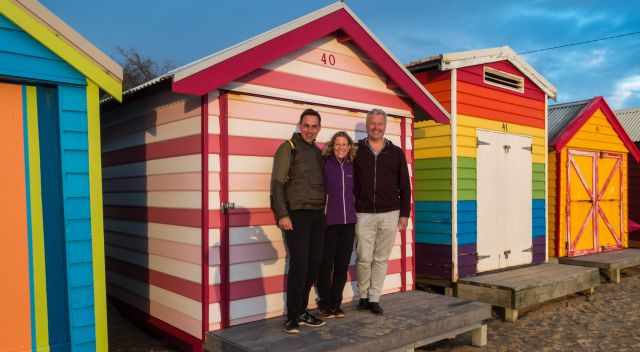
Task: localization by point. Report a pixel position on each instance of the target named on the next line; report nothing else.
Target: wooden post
(510, 315)
(479, 336)
(614, 275)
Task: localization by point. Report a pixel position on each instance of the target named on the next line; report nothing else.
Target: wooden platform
(520, 288)
(609, 263)
(411, 319)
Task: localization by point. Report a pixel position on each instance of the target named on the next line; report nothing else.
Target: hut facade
(588, 201)
(480, 181)
(192, 245)
(52, 257)
(630, 120)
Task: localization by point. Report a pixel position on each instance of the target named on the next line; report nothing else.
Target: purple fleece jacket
(338, 182)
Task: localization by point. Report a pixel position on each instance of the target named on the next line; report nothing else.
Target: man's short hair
(310, 112)
(377, 112)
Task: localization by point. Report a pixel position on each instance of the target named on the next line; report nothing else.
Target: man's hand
(402, 223)
(285, 223)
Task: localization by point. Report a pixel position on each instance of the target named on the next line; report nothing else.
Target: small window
(503, 80)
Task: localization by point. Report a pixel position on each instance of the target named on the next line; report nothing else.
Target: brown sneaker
(338, 313)
(326, 313)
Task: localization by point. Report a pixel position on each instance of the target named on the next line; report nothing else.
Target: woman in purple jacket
(341, 218)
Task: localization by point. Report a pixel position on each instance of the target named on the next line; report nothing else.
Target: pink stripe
(170, 182)
(276, 284)
(244, 217)
(169, 249)
(148, 276)
(158, 150)
(180, 217)
(296, 83)
(257, 252)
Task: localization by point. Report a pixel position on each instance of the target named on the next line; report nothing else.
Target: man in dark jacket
(297, 200)
(383, 202)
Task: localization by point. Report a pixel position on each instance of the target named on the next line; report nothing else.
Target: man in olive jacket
(297, 200)
(383, 203)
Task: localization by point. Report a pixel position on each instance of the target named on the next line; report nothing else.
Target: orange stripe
(504, 97)
(439, 86)
(15, 334)
(499, 116)
(515, 110)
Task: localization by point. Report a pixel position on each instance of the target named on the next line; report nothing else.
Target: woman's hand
(285, 223)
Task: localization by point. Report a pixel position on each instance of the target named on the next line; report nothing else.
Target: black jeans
(304, 244)
(338, 245)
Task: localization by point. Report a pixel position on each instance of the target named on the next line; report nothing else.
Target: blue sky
(182, 31)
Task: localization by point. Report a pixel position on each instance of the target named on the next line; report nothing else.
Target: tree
(139, 69)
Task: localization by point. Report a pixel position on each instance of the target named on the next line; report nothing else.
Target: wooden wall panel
(152, 197)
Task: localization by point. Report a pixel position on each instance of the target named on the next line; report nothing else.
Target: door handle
(507, 253)
(480, 257)
(530, 249)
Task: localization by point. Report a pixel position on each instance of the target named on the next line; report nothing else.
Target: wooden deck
(521, 288)
(411, 319)
(609, 263)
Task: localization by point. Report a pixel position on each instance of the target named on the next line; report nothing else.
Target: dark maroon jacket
(381, 182)
(338, 183)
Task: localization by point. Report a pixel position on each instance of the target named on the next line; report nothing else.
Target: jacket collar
(298, 140)
(365, 143)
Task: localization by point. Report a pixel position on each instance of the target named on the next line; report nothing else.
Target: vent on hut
(503, 79)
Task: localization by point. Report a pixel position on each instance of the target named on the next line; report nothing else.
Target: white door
(504, 200)
(517, 215)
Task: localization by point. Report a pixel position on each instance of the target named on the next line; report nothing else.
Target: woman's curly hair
(328, 149)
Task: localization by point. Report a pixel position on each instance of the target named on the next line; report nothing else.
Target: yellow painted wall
(432, 140)
(467, 126)
(596, 134)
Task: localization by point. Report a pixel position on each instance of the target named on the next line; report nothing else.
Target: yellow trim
(37, 225)
(65, 50)
(97, 225)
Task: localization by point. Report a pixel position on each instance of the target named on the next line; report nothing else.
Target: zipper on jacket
(344, 199)
(375, 179)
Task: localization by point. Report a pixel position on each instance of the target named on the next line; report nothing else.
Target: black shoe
(292, 327)
(363, 304)
(309, 320)
(375, 308)
(326, 313)
(338, 313)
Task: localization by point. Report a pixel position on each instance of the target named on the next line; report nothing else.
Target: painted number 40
(328, 59)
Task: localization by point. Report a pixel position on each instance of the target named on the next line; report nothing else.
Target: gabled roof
(218, 69)
(477, 57)
(57, 36)
(630, 120)
(568, 118)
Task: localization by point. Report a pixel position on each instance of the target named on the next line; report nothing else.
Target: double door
(504, 193)
(593, 201)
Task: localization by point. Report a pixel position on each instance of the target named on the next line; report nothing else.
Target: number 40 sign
(328, 59)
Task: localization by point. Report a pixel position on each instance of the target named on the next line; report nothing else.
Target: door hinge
(507, 253)
(479, 142)
(480, 257)
(506, 148)
(226, 206)
(529, 148)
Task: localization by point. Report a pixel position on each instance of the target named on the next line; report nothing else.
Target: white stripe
(169, 266)
(154, 134)
(181, 234)
(167, 298)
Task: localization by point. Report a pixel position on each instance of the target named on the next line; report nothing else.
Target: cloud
(597, 58)
(580, 17)
(624, 90)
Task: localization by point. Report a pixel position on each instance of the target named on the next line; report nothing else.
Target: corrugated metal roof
(630, 120)
(560, 115)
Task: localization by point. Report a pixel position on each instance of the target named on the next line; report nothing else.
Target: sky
(182, 31)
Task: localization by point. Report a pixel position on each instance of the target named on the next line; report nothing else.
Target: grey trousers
(376, 234)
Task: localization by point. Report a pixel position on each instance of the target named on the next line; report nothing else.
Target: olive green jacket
(297, 180)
